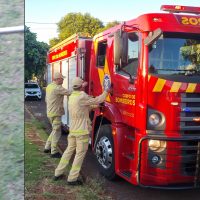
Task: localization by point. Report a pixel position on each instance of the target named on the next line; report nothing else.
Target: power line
(40, 23)
(57, 23)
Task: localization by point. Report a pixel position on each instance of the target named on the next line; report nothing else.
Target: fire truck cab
(148, 132)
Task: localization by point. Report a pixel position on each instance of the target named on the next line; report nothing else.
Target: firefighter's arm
(61, 90)
(91, 101)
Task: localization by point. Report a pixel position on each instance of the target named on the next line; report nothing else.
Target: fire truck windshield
(175, 55)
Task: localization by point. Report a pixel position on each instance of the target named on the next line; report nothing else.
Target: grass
(11, 98)
(39, 170)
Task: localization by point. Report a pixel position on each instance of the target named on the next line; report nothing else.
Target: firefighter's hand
(108, 90)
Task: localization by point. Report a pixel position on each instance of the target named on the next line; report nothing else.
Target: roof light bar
(177, 9)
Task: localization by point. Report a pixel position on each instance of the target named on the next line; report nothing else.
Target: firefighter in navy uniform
(54, 99)
(80, 125)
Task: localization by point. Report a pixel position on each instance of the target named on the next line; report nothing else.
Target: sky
(42, 15)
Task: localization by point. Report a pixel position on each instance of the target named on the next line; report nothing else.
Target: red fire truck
(148, 130)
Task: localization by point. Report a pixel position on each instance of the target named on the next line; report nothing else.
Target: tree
(76, 23)
(108, 25)
(35, 56)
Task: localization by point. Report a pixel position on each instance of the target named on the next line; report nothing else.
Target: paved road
(120, 189)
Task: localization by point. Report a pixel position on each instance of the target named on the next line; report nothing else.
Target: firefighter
(54, 99)
(80, 126)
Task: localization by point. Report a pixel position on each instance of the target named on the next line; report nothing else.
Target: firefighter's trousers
(80, 144)
(54, 137)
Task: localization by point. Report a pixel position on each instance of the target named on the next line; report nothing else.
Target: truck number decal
(195, 21)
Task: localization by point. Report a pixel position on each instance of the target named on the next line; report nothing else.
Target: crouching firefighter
(79, 105)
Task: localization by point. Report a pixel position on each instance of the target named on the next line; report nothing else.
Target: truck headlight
(154, 119)
(157, 145)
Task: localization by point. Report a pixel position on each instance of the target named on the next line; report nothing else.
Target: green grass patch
(34, 163)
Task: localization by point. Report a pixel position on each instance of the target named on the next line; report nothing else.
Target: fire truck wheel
(105, 152)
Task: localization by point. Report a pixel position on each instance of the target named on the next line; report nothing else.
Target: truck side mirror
(120, 48)
(117, 47)
(152, 37)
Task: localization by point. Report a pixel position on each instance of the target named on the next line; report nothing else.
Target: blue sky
(49, 12)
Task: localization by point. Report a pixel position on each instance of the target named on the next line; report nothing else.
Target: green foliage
(79, 23)
(109, 25)
(35, 56)
(53, 41)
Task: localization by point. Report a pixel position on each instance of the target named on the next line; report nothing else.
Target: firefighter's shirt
(79, 106)
(54, 99)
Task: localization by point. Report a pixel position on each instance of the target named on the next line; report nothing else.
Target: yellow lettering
(60, 55)
(184, 20)
(125, 101)
(193, 21)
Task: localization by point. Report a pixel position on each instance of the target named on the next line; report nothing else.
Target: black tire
(104, 151)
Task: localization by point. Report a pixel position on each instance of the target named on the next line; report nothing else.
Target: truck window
(175, 55)
(101, 54)
(133, 46)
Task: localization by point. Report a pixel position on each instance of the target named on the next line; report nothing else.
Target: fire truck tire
(104, 151)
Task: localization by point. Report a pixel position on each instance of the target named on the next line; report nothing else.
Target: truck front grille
(181, 158)
(190, 114)
(191, 158)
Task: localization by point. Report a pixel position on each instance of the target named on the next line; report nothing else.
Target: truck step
(126, 174)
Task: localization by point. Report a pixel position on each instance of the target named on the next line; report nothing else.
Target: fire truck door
(124, 87)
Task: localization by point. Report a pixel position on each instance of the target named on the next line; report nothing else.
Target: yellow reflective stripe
(149, 77)
(76, 168)
(50, 88)
(85, 140)
(56, 122)
(101, 75)
(175, 87)
(191, 87)
(73, 96)
(64, 161)
(75, 93)
(50, 114)
(78, 131)
(49, 138)
(159, 85)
